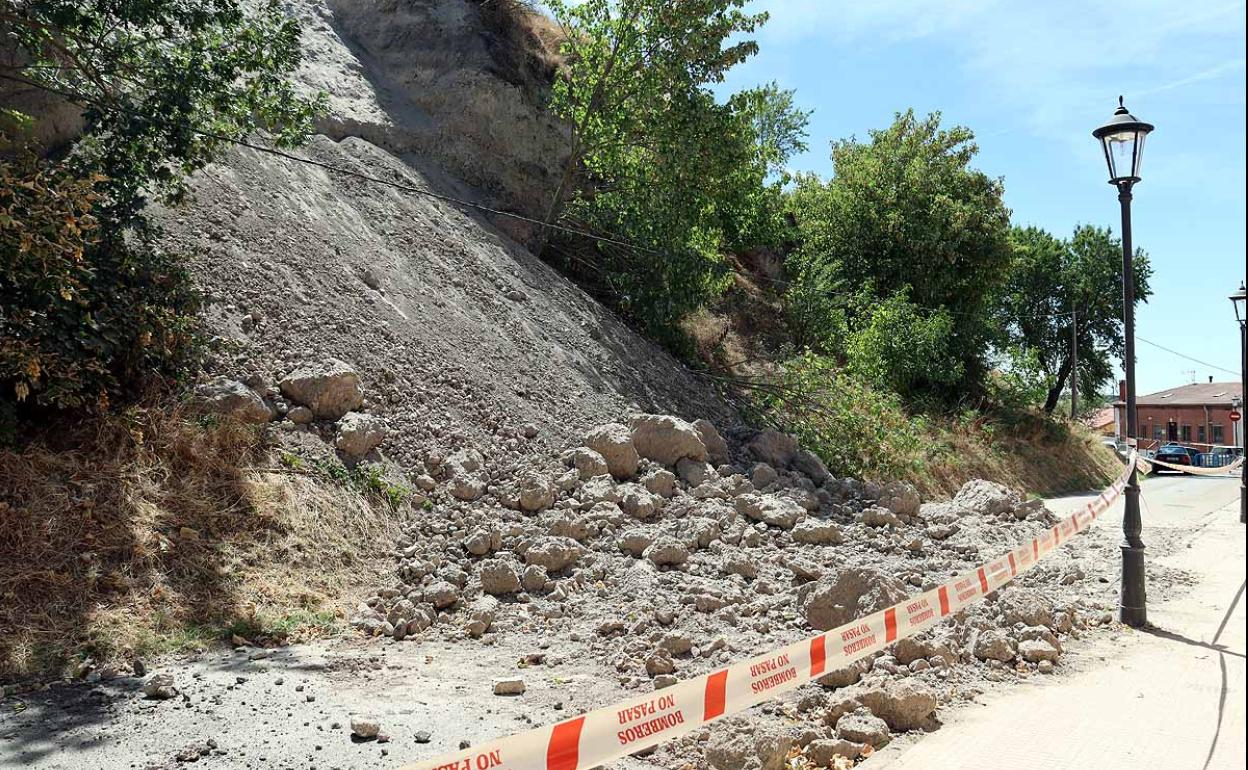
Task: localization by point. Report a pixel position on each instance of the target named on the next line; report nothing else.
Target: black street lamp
(1122, 139)
(1240, 300)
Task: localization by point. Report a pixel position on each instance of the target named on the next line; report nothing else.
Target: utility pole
(1074, 365)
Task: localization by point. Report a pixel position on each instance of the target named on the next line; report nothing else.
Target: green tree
(1048, 278)
(655, 159)
(902, 214)
(89, 310)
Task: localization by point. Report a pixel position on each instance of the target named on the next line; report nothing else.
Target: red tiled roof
(1100, 418)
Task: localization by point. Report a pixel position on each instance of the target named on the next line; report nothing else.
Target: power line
(79, 98)
(608, 239)
(1184, 355)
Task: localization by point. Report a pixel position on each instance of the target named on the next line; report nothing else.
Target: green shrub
(902, 348)
(904, 214)
(856, 429)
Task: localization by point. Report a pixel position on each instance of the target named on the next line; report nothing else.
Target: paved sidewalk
(1171, 696)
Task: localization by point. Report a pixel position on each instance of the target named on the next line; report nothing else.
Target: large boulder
(823, 752)
(498, 576)
(777, 511)
(738, 745)
(666, 439)
(1019, 605)
(160, 686)
(634, 542)
(992, 644)
(330, 388)
(900, 498)
(639, 502)
(615, 443)
(359, 434)
(481, 614)
(808, 463)
(1036, 650)
(466, 487)
(233, 399)
(667, 551)
(843, 676)
(587, 462)
(660, 481)
(904, 704)
(716, 447)
(818, 532)
(553, 553)
(773, 447)
(848, 593)
(861, 726)
(535, 491)
(986, 497)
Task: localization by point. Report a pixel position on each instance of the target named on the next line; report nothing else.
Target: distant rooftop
(1198, 394)
(1100, 418)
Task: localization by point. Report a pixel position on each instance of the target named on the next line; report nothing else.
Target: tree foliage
(655, 159)
(896, 343)
(904, 215)
(163, 84)
(81, 324)
(89, 306)
(1048, 278)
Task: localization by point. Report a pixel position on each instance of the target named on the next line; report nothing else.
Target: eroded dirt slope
(460, 336)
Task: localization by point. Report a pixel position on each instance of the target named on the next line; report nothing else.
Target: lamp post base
(1131, 608)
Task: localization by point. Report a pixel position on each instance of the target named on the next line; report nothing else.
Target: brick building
(1191, 414)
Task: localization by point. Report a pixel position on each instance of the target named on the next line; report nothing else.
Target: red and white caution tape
(624, 728)
(1146, 466)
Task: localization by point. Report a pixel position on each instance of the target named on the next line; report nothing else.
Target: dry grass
(525, 44)
(134, 535)
(1034, 455)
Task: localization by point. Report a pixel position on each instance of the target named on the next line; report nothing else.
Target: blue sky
(1032, 79)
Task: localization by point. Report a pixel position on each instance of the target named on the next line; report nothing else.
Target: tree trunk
(1055, 392)
(578, 130)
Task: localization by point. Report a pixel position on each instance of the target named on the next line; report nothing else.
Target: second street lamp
(1122, 140)
(1240, 299)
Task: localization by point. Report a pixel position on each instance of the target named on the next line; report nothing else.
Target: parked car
(1175, 455)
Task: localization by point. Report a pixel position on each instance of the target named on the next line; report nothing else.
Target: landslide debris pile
(664, 549)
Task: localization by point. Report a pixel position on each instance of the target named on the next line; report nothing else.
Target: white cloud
(1051, 61)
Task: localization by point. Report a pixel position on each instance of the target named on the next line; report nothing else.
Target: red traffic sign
(1234, 416)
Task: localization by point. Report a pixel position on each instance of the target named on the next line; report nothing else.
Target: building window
(1217, 434)
(1158, 433)
(1200, 433)
(1185, 433)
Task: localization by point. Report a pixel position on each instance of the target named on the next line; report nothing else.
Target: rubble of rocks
(320, 399)
(668, 554)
